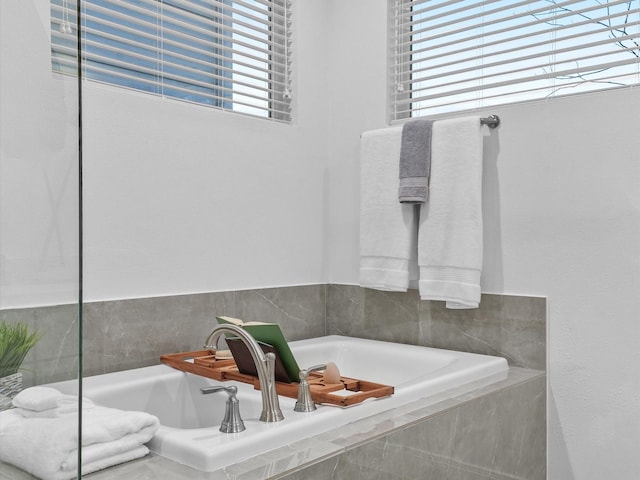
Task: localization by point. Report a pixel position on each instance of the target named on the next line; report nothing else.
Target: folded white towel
(37, 398)
(61, 411)
(48, 447)
(65, 405)
(387, 228)
(106, 462)
(450, 230)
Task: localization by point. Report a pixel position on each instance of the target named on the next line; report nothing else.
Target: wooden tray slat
(204, 363)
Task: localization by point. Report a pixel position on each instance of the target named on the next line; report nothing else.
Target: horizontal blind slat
(225, 23)
(452, 87)
(522, 80)
(163, 64)
(410, 9)
(252, 7)
(509, 40)
(498, 54)
(184, 89)
(493, 100)
(504, 31)
(550, 64)
(223, 53)
(466, 8)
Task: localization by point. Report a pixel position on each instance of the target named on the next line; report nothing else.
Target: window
(228, 54)
(452, 55)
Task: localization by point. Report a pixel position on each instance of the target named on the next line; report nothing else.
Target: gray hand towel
(415, 161)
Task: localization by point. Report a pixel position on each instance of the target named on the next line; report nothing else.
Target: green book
(271, 334)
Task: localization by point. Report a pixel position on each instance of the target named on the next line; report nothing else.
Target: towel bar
(492, 122)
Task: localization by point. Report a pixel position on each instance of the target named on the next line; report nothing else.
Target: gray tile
(345, 310)
(467, 331)
(375, 460)
(126, 334)
(320, 471)
(508, 326)
(300, 311)
(154, 467)
(524, 331)
(513, 327)
(366, 313)
(133, 333)
(498, 436)
(391, 316)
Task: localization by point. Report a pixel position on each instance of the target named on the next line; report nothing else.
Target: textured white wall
(562, 220)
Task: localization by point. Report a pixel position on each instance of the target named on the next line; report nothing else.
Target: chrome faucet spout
(265, 366)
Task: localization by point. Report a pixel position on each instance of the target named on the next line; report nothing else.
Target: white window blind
(228, 54)
(452, 55)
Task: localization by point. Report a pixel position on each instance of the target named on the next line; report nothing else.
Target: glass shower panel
(39, 229)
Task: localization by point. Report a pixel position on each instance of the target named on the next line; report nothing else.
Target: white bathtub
(190, 421)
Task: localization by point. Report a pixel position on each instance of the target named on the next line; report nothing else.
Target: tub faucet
(265, 366)
(305, 403)
(232, 421)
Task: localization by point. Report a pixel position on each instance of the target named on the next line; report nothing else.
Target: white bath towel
(388, 236)
(37, 398)
(48, 447)
(450, 229)
(64, 404)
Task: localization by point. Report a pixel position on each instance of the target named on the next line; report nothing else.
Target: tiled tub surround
(123, 334)
(133, 333)
(189, 420)
(494, 432)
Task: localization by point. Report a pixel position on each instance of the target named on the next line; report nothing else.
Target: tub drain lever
(232, 422)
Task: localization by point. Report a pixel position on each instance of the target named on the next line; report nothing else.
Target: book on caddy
(270, 334)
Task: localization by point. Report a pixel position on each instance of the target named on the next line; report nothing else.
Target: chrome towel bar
(492, 122)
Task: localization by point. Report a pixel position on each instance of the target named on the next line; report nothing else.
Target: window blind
(452, 55)
(228, 54)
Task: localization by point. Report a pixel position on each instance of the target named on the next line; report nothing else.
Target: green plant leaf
(16, 339)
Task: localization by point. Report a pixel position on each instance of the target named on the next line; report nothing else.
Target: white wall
(181, 198)
(177, 198)
(562, 220)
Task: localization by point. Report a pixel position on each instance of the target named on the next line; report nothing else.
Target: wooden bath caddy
(204, 363)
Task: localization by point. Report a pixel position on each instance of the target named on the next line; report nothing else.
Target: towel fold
(450, 230)
(37, 398)
(388, 236)
(48, 447)
(415, 161)
(66, 405)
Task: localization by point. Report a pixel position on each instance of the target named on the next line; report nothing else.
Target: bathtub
(190, 421)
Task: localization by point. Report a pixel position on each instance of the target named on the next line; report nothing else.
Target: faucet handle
(232, 421)
(305, 372)
(305, 403)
